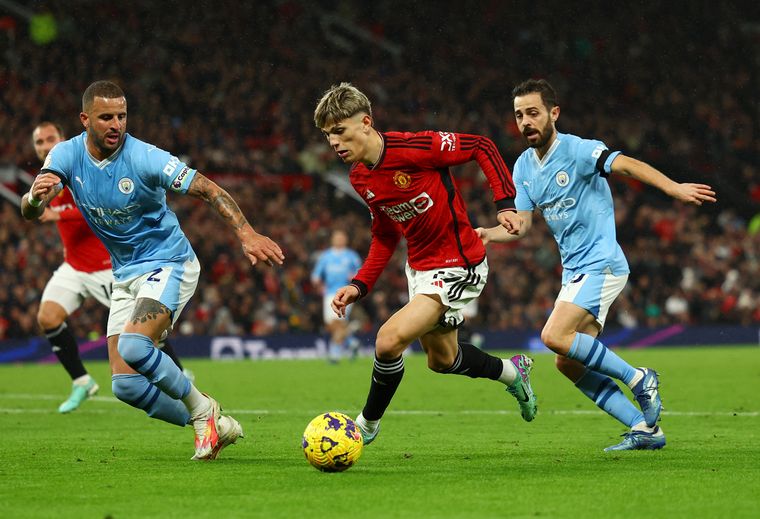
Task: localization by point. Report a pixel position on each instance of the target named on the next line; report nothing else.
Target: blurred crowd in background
(231, 88)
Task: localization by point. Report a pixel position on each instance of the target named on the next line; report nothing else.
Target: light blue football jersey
(123, 199)
(576, 202)
(336, 267)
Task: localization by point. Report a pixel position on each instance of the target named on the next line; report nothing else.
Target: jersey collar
(542, 162)
(101, 164)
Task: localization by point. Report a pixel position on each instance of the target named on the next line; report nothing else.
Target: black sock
(66, 349)
(475, 363)
(167, 348)
(386, 376)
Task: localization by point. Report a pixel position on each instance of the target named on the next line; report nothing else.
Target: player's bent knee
(388, 345)
(131, 389)
(553, 340)
(48, 321)
(134, 348)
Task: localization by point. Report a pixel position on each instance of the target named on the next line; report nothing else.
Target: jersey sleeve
(385, 237)
(594, 158)
(523, 202)
(166, 170)
(59, 161)
(451, 149)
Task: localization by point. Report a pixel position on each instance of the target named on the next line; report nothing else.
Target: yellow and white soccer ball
(332, 442)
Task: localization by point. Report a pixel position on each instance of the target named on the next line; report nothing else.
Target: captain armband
(600, 163)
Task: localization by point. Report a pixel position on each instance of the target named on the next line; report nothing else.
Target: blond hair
(340, 102)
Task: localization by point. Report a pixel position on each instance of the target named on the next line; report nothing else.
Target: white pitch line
(421, 412)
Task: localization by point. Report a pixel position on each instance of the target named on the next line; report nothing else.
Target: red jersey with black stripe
(411, 193)
(81, 248)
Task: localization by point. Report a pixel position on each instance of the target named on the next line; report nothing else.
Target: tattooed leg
(136, 346)
(150, 318)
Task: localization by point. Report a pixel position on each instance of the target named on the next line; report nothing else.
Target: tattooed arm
(256, 246)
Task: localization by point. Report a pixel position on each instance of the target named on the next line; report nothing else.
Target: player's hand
(694, 193)
(43, 185)
(511, 221)
(258, 247)
(482, 233)
(344, 297)
(48, 215)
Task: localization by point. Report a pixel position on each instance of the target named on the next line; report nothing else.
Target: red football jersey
(81, 248)
(411, 192)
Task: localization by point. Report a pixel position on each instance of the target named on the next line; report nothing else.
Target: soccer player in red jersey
(85, 272)
(405, 180)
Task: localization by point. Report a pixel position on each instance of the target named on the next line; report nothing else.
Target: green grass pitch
(450, 446)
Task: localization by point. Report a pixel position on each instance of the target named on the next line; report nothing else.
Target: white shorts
(593, 292)
(456, 286)
(172, 285)
(328, 315)
(69, 287)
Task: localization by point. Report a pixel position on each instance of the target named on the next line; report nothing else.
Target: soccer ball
(332, 442)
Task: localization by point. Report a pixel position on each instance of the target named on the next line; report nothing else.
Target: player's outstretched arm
(685, 192)
(256, 247)
(344, 297)
(500, 234)
(43, 189)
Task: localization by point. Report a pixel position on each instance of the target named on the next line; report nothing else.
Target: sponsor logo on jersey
(448, 141)
(402, 180)
(370, 195)
(81, 182)
(108, 216)
(177, 184)
(562, 179)
(126, 185)
(558, 210)
(408, 210)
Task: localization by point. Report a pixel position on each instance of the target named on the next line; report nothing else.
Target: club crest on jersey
(402, 180)
(126, 185)
(562, 179)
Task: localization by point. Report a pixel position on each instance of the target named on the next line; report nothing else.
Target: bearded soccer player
(119, 183)
(405, 180)
(565, 176)
(85, 272)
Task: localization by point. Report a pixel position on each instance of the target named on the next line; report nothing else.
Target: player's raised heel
(229, 431)
(521, 388)
(206, 427)
(647, 394)
(78, 395)
(640, 441)
(367, 436)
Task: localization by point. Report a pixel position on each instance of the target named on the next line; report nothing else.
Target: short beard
(545, 137)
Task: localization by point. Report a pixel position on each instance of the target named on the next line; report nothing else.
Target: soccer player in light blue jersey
(334, 269)
(119, 183)
(565, 177)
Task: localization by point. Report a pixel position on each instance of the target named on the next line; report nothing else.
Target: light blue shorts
(171, 285)
(593, 292)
